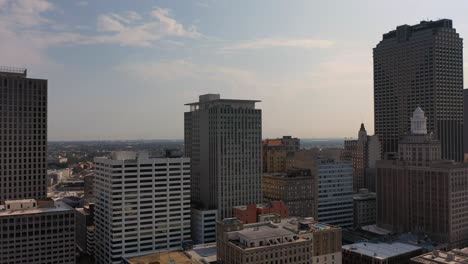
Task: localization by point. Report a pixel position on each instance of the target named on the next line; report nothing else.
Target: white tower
(418, 122)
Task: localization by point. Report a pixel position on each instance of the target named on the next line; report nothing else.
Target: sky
(122, 70)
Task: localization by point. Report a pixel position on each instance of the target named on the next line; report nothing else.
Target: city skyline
(302, 58)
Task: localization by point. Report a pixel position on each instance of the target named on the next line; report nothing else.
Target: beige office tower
(223, 138)
(37, 231)
(290, 240)
(420, 192)
(23, 135)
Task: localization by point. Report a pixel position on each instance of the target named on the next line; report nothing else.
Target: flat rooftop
(440, 257)
(58, 207)
(381, 250)
(263, 232)
(176, 257)
(205, 253)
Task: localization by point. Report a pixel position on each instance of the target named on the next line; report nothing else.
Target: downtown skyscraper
(223, 138)
(420, 65)
(23, 135)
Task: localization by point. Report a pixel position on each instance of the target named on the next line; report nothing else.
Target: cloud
(130, 29)
(280, 43)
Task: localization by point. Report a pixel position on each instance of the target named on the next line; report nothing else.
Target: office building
(204, 226)
(292, 240)
(223, 138)
(379, 253)
(420, 192)
(89, 188)
(364, 208)
(23, 135)
(37, 231)
(276, 151)
(456, 256)
(465, 125)
(85, 229)
(296, 188)
(335, 193)
(142, 205)
(420, 65)
(254, 213)
(362, 153)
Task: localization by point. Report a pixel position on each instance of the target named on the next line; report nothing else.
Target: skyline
(155, 56)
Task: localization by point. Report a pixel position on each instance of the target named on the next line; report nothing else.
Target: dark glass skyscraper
(420, 65)
(23, 135)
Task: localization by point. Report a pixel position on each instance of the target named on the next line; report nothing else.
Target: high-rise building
(335, 193)
(142, 205)
(204, 225)
(37, 231)
(23, 135)
(223, 138)
(465, 125)
(290, 240)
(362, 153)
(420, 65)
(420, 192)
(297, 189)
(85, 229)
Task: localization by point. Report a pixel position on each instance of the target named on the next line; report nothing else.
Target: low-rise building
(364, 208)
(178, 257)
(37, 231)
(205, 253)
(254, 213)
(292, 240)
(379, 253)
(456, 256)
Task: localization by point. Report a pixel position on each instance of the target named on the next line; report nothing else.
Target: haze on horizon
(124, 69)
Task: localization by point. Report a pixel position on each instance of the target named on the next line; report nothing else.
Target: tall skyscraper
(142, 205)
(223, 138)
(420, 65)
(23, 135)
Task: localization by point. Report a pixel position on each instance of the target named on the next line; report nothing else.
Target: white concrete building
(204, 226)
(335, 202)
(142, 205)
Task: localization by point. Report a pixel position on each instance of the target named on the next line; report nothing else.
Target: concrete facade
(408, 63)
(204, 226)
(364, 208)
(223, 138)
(37, 232)
(142, 205)
(23, 136)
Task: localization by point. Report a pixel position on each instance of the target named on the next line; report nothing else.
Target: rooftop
(172, 257)
(381, 250)
(58, 207)
(6, 70)
(440, 257)
(205, 253)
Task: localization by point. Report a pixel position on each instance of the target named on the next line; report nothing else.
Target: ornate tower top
(362, 135)
(418, 122)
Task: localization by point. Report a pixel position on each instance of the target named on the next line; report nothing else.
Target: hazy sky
(124, 69)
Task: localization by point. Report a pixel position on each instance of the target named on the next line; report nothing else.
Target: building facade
(204, 225)
(223, 138)
(23, 136)
(362, 153)
(254, 213)
(85, 229)
(296, 188)
(364, 208)
(420, 192)
(142, 205)
(289, 240)
(410, 70)
(39, 232)
(335, 189)
(276, 151)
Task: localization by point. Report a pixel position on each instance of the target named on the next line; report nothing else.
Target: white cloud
(130, 29)
(280, 43)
